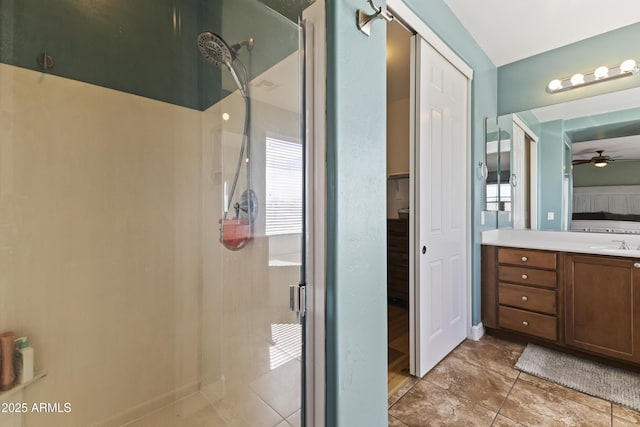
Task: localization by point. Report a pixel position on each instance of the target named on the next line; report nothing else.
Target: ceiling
(510, 30)
(623, 148)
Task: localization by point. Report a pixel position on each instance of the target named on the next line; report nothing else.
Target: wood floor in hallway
(398, 347)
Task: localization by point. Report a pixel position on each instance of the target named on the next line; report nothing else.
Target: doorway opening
(523, 179)
(398, 201)
(428, 164)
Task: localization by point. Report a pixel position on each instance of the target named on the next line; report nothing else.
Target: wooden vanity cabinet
(520, 291)
(579, 302)
(602, 305)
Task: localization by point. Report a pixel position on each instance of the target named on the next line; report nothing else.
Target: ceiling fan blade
(580, 162)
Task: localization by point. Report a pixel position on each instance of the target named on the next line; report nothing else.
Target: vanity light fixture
(625, 69)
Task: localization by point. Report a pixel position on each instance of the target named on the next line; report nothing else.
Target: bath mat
(593, 378)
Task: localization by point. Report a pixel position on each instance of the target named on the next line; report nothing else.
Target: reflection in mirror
(505, 124)
(594, 185)
(606, 178)
(498, 148)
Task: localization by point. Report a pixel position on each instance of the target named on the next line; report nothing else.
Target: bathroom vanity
(573, 291)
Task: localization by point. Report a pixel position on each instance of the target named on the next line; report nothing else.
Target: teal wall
(551, 161)
(356, 200)
(131, 46)
(522, 84)
(602, 120)
(356, 220)
(145, 47)
(616, 173)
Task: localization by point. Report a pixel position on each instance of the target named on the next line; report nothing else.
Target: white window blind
(283, 207)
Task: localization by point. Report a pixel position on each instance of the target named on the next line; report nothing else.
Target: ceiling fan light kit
(627, 68)
(598, 161)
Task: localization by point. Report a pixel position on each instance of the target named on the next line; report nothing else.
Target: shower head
(214, 49)
(218, 53)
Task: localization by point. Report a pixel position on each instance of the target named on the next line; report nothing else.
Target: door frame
(533, 171)
(400, 10)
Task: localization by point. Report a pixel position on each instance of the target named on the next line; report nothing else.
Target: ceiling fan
(599, 161)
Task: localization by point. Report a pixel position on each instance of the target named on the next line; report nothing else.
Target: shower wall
(100, 243)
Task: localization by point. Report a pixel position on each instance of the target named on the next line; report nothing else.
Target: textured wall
(522, 84)
(356, 165)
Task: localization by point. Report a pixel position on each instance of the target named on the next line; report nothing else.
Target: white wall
(99, 243)
(398, 136)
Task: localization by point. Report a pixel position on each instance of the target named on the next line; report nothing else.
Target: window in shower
(283, 200)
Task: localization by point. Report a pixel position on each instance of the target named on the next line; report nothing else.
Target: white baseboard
(477, 332)
(149, 406)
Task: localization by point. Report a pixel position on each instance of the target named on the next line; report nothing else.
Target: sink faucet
(623, 244)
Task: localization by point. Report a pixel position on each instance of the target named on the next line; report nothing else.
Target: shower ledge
(36, 377)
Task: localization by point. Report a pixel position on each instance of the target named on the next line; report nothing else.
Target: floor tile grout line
(505, 399)
(403, 395)
(611, 408)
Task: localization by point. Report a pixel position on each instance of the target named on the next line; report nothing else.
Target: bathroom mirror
(497, 166)
(594, 185)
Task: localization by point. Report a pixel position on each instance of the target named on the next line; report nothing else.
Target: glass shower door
(253, 222)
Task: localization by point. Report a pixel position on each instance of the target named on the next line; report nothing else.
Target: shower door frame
(313, 91)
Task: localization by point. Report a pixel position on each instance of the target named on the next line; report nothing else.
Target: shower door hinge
(298, 300)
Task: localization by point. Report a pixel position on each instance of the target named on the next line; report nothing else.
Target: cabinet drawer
(527, 276)
(529, 258)
(528, 298)
(539, 325)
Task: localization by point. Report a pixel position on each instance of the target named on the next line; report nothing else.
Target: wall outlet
(551, 216)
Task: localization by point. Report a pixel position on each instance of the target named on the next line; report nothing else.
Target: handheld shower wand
(236, 233)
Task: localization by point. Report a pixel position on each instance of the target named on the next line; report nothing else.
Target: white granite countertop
(564, 241)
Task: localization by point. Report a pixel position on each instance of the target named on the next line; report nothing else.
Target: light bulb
(225, 116)
(577, 79)
(628, 66)
(555, 85)
(600, 164)
(601, 73)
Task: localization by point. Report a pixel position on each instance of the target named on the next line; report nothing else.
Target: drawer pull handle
(636, 265)
(525, 298)
(524, 276)
(524, 259)
(525, 323)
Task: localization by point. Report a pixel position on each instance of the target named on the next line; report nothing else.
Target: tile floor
(265, 393)
(476, 385)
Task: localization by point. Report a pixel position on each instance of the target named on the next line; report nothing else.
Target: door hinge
(298, 300)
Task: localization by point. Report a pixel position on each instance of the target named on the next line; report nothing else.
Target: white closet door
(441, 177)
